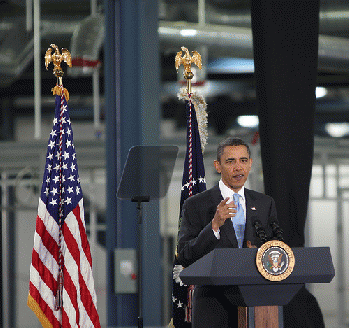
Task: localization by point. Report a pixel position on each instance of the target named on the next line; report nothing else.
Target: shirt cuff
(217, 234)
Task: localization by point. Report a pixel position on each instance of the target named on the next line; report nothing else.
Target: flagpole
(56, 58)
(193, 180)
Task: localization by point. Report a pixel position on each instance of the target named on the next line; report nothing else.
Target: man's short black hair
(231, 141)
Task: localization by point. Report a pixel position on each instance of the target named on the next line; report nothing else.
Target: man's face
(234, 166)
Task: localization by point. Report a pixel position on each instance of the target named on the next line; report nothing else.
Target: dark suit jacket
(196, 237)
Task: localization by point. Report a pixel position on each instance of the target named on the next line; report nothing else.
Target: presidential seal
(275, 260)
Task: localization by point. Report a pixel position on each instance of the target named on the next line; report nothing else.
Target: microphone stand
(260, 232)
(139, 200)
(277, 231)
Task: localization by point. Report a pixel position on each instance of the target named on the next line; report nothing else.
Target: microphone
(277, 231)
(260, 232)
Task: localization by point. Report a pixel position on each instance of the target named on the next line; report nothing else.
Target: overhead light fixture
(320, 92)
(187, 33)
(231, 65)
(337, 130)
(248, 121)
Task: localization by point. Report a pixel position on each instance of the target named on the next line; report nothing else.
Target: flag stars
(62, 186)
(193, 182)
(54, 191)
(186, 185)
(51, 144)
(65, 155)
(53, 201)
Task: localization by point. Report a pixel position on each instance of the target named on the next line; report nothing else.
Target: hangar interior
(221, 31)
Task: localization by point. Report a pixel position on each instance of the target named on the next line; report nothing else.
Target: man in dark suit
(208, 223)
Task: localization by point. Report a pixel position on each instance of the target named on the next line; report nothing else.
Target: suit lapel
(251, 215)
(229, 231)
(249, 205)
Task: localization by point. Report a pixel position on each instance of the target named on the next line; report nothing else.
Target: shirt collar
(227, 192)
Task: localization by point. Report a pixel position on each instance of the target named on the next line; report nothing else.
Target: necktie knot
(236, 198)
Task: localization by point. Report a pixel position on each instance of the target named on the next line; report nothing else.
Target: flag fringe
(35, 307)
(201, 113)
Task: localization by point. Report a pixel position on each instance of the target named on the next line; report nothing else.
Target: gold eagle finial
(186, 61)
(56, 58)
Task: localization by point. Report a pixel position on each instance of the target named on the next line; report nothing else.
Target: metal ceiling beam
(221, 40)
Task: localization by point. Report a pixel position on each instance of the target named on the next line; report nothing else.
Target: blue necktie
(239, 221)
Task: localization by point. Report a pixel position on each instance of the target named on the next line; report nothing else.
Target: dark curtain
(285, 39)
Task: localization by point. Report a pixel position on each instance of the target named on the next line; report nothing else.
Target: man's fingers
(223, 202)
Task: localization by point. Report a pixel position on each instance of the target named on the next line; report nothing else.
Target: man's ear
(217, 166)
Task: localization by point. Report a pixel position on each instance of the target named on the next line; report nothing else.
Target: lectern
(234, 266)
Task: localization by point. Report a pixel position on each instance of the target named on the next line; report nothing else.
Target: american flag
(61, 288)
(193, 182)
